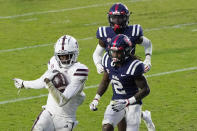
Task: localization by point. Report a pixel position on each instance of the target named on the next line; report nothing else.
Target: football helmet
(66, 51)
(118, 16)
(120, 48)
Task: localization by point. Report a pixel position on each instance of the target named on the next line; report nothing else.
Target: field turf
(29, 29)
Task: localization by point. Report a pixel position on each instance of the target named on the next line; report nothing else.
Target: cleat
(146, 116)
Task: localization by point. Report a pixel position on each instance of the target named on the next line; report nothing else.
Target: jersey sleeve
(136, 68)
(137, 31)
(36, 84)
(140, 31)
(101, 33)
(77, 82)
(139, 69)
(105, 61)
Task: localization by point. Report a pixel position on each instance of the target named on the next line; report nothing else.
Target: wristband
(97, 97)
(132, 100)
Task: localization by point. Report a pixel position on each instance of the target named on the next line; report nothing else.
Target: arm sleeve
(36, 84)
(97, 55)
(147, 46)
(76, 86)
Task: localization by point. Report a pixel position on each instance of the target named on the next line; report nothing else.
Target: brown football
(60, 82)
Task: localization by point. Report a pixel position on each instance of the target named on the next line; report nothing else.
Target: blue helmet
(120, 48)
(118, 16)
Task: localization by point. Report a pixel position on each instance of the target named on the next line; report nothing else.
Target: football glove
(147, 63)
(99, 68)
(120, 104)
(51, 74)
(18, 83)
(93, 105)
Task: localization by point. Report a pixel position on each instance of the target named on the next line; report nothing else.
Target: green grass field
(28, 29)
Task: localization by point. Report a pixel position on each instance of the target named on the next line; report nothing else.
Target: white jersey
(76, 76)
(78, 71)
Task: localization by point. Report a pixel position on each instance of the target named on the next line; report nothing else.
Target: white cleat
(148, 121)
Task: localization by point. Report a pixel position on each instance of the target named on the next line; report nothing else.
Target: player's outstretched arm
(34, 84)
(101, 90)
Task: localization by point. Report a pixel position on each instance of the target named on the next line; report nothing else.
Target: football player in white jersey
(118, 17)
(59, 114)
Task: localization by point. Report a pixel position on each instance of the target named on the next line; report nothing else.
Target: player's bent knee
(108, 127)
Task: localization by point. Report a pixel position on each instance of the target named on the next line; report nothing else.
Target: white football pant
(48, 122)
(132, 114)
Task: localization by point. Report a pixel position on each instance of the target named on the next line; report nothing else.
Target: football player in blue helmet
(118, 17)
(125, 72)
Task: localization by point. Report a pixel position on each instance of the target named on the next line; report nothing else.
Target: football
(60, 82)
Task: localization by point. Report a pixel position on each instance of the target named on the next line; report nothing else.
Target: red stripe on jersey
(63, 42)
(86, 70)
(80, 74)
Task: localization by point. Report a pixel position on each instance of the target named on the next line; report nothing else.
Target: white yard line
(89, 38)
(194, 30)
(36, 46)
(93, 86)
(62, 10)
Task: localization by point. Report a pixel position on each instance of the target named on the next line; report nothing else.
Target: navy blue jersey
(122, 78)
(133, 32)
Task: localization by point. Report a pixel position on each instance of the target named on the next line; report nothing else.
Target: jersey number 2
(118, 87)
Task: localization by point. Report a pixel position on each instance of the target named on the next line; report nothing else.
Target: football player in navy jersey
(118, 17)
(125, 72)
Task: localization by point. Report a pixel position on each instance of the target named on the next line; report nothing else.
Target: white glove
(18, 83)
(120, 104)
(99, 68)
(147, 63)
(93, 105)
(51, 74)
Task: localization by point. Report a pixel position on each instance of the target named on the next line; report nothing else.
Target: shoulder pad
(136, 68)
